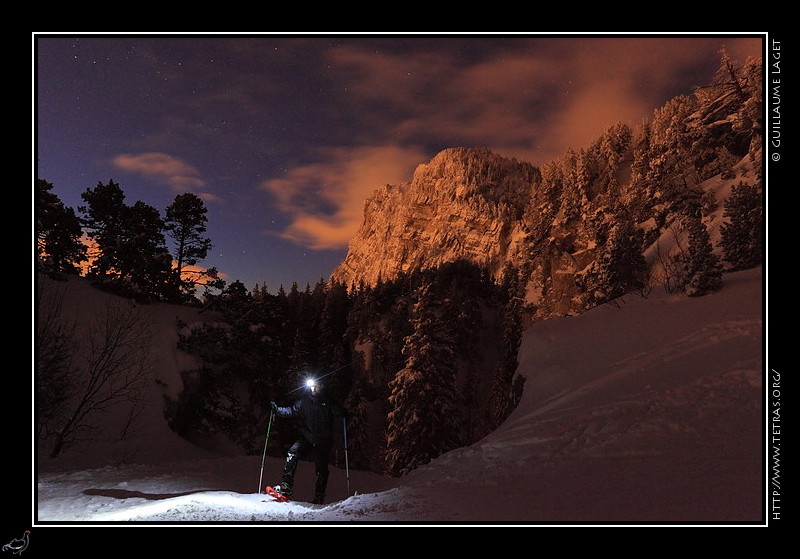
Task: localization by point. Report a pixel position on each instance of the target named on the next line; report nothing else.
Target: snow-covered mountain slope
(646, 411)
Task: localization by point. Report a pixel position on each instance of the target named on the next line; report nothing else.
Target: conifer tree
(610, 149)
(639, 194)
(104, 221)
(132, 257)
(703, 271)
(185, 222)
(671, 175)
(574, 196)
(621, 267)
(59, 249)
(144, 261)
(334, 352)
(501, 397)
(423, 422)
(742, 240)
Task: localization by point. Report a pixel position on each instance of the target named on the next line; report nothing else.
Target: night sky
(284, 137)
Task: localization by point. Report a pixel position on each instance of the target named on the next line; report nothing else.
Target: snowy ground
(646, 412)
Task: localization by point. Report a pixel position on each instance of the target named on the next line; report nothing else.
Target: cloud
(164, 169)
(528, 97)
(609, 80)
(325, 200)
(421, 97)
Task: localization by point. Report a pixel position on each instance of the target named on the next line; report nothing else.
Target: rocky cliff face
(463, 204)
(474, 205)
(554, 224)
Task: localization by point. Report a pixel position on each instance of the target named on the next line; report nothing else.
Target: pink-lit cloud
(165, 169)
(325, 200)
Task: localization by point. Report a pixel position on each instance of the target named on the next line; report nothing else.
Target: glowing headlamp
(311, 383)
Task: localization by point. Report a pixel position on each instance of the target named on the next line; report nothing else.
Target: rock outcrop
(463, 204)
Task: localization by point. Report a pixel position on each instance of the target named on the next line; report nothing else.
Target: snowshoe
(278, 493)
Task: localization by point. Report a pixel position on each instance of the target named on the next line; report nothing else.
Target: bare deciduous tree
(55, 368)
(673, 276)
(111, 363)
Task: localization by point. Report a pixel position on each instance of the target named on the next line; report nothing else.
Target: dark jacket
(315, 416)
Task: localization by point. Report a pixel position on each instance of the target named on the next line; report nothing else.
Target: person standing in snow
(314, 413)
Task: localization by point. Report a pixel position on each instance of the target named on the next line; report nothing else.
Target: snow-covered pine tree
(609, 150)
(621, 267)
(576, 177)
(333, 349)
(702, 266)
(423, 422)
(742, 236)
(502, 397)
(727, 121)
(671, 175)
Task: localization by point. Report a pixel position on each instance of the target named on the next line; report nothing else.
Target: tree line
(424, 362)
(123, 248)
(639, 189)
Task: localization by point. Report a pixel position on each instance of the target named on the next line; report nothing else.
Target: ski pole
(346, 465)
(269, 426)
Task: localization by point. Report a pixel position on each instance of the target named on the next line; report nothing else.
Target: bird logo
(18, 545)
